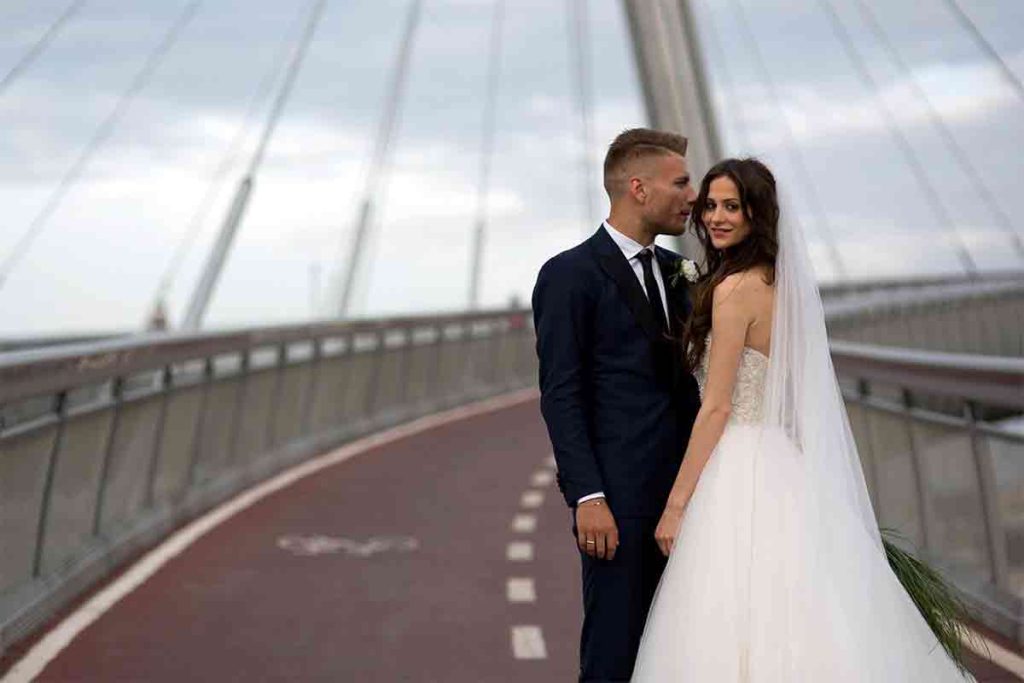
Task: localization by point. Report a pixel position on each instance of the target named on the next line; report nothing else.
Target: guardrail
(974, 317)
(107, 446)
(858, 287)
(942, 444)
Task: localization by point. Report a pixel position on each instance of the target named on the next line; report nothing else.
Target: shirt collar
(630, 248)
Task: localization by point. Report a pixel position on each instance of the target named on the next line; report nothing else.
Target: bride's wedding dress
(773, 577)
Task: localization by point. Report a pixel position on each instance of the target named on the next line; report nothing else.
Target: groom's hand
(596, 533)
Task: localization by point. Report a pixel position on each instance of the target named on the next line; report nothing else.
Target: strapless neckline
(760, 353)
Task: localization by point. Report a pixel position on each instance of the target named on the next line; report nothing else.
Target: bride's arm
(730, 318)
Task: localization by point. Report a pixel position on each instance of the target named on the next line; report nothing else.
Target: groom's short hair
(634, 144)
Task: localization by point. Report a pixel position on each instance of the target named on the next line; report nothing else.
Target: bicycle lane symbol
(310, 546)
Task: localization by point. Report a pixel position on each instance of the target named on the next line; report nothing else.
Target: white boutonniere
(687, 270)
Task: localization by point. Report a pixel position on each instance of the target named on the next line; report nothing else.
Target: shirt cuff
(591, 496)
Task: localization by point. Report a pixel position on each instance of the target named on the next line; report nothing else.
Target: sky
(895, 156)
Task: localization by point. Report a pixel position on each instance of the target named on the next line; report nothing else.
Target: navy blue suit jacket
(618, 403)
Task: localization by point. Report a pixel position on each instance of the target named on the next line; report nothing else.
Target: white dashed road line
(542, 477)
(520, 551)
(528, 643)
(521, 590)
(532, 500)
(524, 523)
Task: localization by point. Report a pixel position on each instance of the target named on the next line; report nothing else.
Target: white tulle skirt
(769, 581)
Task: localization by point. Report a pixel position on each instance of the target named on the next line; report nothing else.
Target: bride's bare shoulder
(746, 287)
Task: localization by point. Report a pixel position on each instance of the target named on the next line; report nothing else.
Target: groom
(617, 402)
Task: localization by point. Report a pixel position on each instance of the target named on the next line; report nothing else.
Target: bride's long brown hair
(760, 205)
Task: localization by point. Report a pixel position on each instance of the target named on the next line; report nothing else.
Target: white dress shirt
(631, 250)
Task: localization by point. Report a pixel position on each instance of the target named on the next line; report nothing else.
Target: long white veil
(802, 395)
(779, 572)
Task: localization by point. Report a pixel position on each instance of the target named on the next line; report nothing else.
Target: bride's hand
(668, 527)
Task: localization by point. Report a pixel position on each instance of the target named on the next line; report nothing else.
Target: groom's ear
(638, 189)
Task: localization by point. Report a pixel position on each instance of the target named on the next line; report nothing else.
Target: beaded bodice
(748, 392)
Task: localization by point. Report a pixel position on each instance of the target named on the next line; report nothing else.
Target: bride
(776, 570)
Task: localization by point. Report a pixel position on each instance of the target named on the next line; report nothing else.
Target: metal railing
(107, 446)
(944, 462)
(969, 316)
(933, 377)
(859, 289)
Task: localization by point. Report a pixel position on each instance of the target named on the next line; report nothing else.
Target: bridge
(367, 494)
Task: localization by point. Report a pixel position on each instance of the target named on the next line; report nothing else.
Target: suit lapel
(676, 296)
(678, 301)
(614, 264)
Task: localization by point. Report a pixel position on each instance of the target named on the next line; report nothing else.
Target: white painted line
(521, 589)
(532, 500)
(542, 478)
(524, 524)
(1007, 659)
(519, 551)
(528, 643)
(47, 648)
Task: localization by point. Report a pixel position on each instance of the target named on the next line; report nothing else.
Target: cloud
(98, 263)
(963, 93)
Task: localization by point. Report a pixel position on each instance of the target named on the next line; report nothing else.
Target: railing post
(954, 328)
(280, 357)
(60, 411)
(116, 392)
(311, 389)
(867, 449)
(927, 520)
(525, 351)
(466, 364)
(370, 403)
(405, 358)
(236, 418)
(166, 385)
(197, 438)
(346, 379)
(435, 400)
(986, 318)
(994, 530)
(968, 322)
(498, 335)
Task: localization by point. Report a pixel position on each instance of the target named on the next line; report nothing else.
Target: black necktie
(651, 285)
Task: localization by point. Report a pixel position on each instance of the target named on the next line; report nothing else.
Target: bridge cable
(380, 160)
(215, 261)
(986, 47)
(742, 127)
(41, 44)
(906, 149)
(216, 179)
(718, 58)
(579, 42)
(806, 180)
(486, 153)
(954, 147)
(100, 136)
